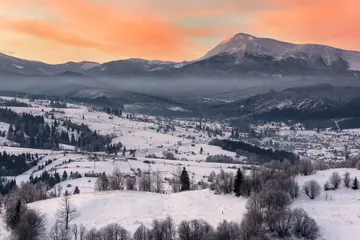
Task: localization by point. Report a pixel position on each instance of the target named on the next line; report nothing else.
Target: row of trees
(146, 181)
(261, 221)
(263, 155)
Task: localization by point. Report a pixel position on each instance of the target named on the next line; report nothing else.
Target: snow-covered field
(336, 212)
(130, 209)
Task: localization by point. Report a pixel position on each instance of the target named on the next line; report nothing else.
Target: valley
(139, 145)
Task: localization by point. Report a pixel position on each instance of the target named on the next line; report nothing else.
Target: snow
(131, 209)
(18, 66)
(336, 212)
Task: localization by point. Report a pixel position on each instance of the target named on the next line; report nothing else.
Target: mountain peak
(239, 37)
(243, 45)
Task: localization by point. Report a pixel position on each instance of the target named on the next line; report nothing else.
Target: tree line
(263, 155)
(33, 132)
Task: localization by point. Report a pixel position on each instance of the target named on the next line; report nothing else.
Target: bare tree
(306, 167)
(130, 183)
(102, 183)
(58, 190)
(304, 226)
(335, 180)
(142, 233)
(145, 182)
(163, 229)
(279, 222)
(158, 181)
(74, 229)
(58, 232)
(27, 192)
(82, 232)
(312, 189)
(117, 180)
(347, 180)
(321, 165)
(274, 200)
(251, 224)
(228, 230)
(194, 230)
(225, 182)
(114, 231)
(67, 212)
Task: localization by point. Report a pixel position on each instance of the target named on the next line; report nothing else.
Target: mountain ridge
(239, 54)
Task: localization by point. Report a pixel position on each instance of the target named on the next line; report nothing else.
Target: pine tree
(201, 150)
(13, 215)
(355, 185)
(76, 190)
(185, 181)
(239, 179)
(64, 176)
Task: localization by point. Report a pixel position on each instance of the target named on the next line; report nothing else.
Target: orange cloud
(117, 29)
(334, 23)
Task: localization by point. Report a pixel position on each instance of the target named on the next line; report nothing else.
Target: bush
(312, 189)
(194, 230)
(142, 233)
(169, 155)
(304, 226)
(274, 200)
(335, 180)
(227, 230)
(280, 222)
(347, 180)
(31, 226)
(306, 167)
(163, 229)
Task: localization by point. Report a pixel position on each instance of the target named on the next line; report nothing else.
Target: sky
(57, 31)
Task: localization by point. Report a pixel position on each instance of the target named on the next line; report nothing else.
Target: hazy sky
(57, 31)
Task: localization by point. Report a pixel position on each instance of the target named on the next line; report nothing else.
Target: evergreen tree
(57, 177)
(76, 190)
(185, 181)
(201, 150)
(13, 215)
(355, 185)
(64, 176)
(124, 151)
(239, 179)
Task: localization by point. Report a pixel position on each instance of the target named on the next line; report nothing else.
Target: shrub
(304, 226)
(335, 180)
(347, 180)
(312, 189)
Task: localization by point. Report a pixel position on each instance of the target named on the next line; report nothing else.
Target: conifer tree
(355, 184)
(64, 176)
(239, 179)
(76, 190)
(185, 181)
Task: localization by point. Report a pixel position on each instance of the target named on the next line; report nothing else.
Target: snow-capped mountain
(236, 55)
(244, 47)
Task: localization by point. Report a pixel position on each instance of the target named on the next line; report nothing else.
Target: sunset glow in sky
(56, 31)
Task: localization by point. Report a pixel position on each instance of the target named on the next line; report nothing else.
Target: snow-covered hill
(13, 65)
(310, 98)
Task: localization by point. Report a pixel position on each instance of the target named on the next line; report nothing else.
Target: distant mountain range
(240, 54)
(315, 102)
